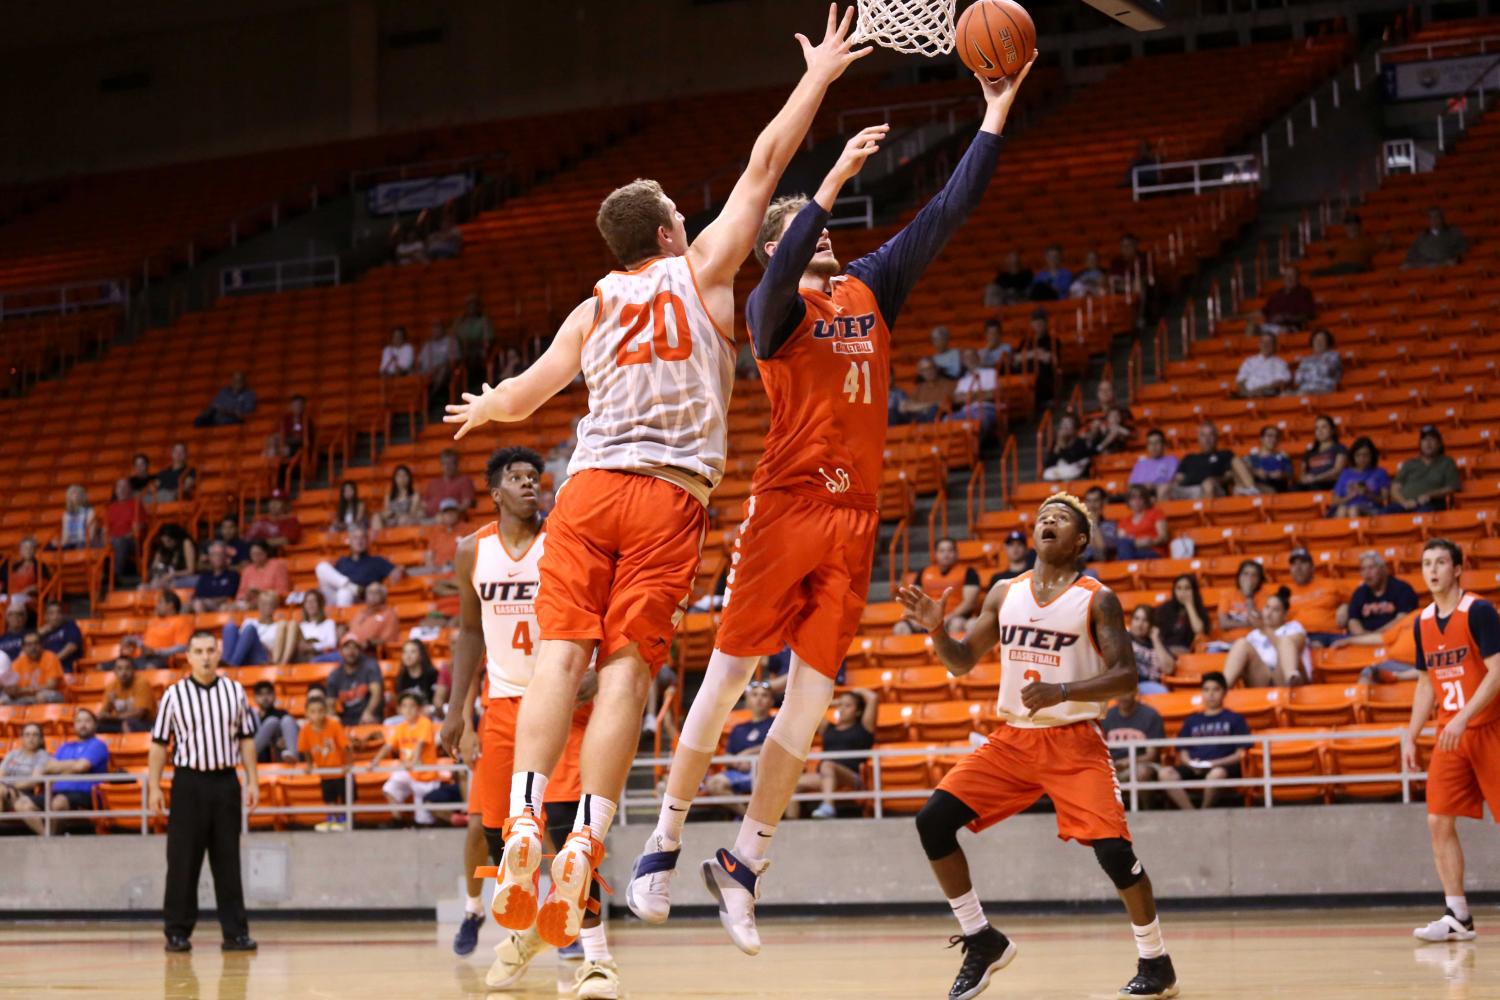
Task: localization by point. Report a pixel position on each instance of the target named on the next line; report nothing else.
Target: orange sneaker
(519, 873)
(560, 919)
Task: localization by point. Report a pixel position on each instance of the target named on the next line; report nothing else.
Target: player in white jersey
(654, 345)
(1064, 653)
(498, 575)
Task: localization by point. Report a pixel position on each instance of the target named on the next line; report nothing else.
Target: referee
(208, 721)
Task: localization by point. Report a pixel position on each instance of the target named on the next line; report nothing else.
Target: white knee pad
(808, 694)
(723, 683)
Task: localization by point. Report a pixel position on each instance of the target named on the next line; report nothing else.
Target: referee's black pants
(205, 817)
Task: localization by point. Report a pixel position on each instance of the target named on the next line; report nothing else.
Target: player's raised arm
(468, 648)
(1107, 622)
(723, 246)
(519, 397)
(958, 655)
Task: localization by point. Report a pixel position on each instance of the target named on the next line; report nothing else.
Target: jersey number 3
(674, 343)
(521, 638)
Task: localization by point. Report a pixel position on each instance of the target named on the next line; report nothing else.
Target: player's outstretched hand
(1001, 94)
(922, 609)
(829, 58)
(864, 144)
(473, 410)
(1038, 695)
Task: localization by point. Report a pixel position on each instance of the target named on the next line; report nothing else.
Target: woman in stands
(1325, 458)
(1238, 608)
(403, 505)
(1153, 660)
(1320, 371)
(316, 635)
(1275, 653)
(853, 728)
(1182, 618)
(21, 576)
(20, 775)
(1363, 488)
(351, 512)
(173, 557)
(1143, 533)
(1069, 456)
(80, 528)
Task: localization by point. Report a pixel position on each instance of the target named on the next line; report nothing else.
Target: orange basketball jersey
(1453, 653)
(828, 386)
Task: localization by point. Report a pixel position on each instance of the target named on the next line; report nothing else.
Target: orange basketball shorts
(622, 549)
(1461, 781)
(489, 785)
(799, 576)
(1069, 764)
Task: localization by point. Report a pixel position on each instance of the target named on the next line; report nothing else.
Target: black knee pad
(938, 824)
(1119, 862)
(495, 841)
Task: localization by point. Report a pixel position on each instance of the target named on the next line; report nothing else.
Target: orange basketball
(995, 38)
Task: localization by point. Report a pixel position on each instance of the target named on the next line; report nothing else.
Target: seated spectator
(1182, 618)
(1091, 280)
(80, 528)
(853, 728)
(1427, 481)
(1036, 354)
(255, 641)
(398, 356)
(17, 624)
(61, 635)
(1264, 469)
(168, 632)
(1352, 253)
(1143, 534)
(1103, 545)
(949, 359)
(317, 634)
(474, 334)
(1262, 374)
(37, 673)
(275, 729)
(1291, 306)
(1379, 599)
(1439, 245)
(928, 397)
(173, 559)
(1363, 488)
(1238, 606)
(376, 624)
(1128, 265)
(178, 480)
(402, 504)
(1011, 284)
(1019, 558)
(141, 478)
(129, 704)
(236, 546)
(20, 776)
(438, 355)
(1317, 603)
(124, 520)
(449, 484)
(446, 240)
(1210, 761)
(1320, 370)
(1069, 456)
(232, 405)
(278, 527)
(1129, 720)
(351, 512)
(1274, 653)
(443, 538)
(1053, 281)
(263, 574)
(414, 741)
(416, 672)
(945, 574)
(20, 577)
(84, 754)
(343, 582)
(745, 740)
(293, 433)
(322, 745)
(1110, 432)
(974, 395)
(1398, 642)
(1206, 473)
(995, 349)
(355, 687)
(1144, 167)
(1325, 459)
(1156, 468)
(408, 247)
(1153, 660)
(218, 584)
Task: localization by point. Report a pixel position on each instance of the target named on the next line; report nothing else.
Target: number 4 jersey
(507, 587)
(1452, 651)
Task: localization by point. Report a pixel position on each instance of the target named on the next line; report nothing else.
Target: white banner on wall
(395, 197)
(1411, 81)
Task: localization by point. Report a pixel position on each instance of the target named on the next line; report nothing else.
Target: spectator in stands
(355, 686)
(131, 648)
(265, 573)
(129, 704)
(20, 776)
(449, 484)
(1363, 488)
(929, 395)
(1398, 642)
(398, 356)
(17, 619)
(1018, 559)
(402, 505)
(124, 520)
(416, 672)
(1439, 245)
(1427, 481)
(1274, 653)
(1379, 599)
(1316, 602)
(853, 728)
(351, 512)
(1182, 618)
(317, 635)
(140, 478)
(1091, 280)
(474, 334)
(232, 405)
(945, 573)
(1238, 606)
(168, 631)
(1144, 169)
(438, 356)
(949, 359)
(1125, 264)
(442, 539)
(1291, 306)
(1325, 459)
(254, 641)
(407, 245)
(1352, 253)
(80, 529)
(446, 240)
(173, 560)
(275, 729)
(1153, 660)
(61, 636)
(84, 754)
(343, 582)
(278, 527)
(1156, 468)
(376, 624)
(1206, 473)
(37, 672)
(995, 349)
(1011, 284)
(1263, 373)
(20, 577)
(974, 395)
(1129, 720)
(322, 745)
(177, 480)
(1143, 533)
(1210, 761)
(236, 546)
(1069, 456)
(745, 740)
(293, 433)
(414, 741)
(1110, 432)
(218, 584)
(1319, 371)
(1102, 546)
(1036, 354)
(1053, 281)
(1264, 469)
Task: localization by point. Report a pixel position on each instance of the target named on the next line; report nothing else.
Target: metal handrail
(280, 275)
(883, 111)
(1485, 42)
(864, 219)
(1246, 170)
(109, 292)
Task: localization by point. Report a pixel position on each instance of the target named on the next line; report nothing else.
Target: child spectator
(322, 745)
(853, 728)
(1156, 468)
(1182, 618)
(1363, 488)
(263, 575)
(416, 672)
(1325, 458)
(414, 741)
(945, 574)
(129, 704)
(61, 636)
(1210, 761)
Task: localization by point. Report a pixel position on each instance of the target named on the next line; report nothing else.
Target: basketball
(995, 38)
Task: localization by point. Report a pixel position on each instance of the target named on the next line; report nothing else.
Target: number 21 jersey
(507, 587)
(1452, 652)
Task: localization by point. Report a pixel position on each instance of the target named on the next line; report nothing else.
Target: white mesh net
(919, 27)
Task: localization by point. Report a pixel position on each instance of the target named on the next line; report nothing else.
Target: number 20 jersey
(507, 587)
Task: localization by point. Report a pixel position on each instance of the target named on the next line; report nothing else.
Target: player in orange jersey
(1458, 656)
(801, 564)
(1064, 654)
(625, 537)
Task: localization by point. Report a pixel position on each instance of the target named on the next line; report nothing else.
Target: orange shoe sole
(560, 918)
(515, 902)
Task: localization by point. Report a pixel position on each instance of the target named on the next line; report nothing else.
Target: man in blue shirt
(745, 740)
(84, 754)
(231, 405)
(217, 584)
(61, 635)
(1213, 761)
(1380, 599)
(344, 582)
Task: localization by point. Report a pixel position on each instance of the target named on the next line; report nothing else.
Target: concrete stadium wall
(1219, 856)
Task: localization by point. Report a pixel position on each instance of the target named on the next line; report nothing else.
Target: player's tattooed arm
(959, 656)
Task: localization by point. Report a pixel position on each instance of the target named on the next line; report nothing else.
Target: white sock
(474, 905)
(595, 947)
(669, 823)
(970, 914)
(595, 814)
(1148, 941)
(754, 840)
(528, 790)
(1459, 905)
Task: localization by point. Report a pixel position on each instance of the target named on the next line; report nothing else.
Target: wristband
(1063, 689)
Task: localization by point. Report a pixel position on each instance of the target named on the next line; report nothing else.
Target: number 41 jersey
(507, 587)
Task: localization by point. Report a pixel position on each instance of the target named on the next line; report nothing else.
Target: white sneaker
(512, 956)
(1446, 928)
(825, 811)
(649, 893)
(515, 900)
(560, 918)
(597, 981)
(736, 886)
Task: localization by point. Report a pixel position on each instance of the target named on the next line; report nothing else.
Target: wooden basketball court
(1334, 955)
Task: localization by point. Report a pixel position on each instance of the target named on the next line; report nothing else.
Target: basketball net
(918, 27)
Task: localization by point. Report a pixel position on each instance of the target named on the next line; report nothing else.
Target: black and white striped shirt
(204, 724)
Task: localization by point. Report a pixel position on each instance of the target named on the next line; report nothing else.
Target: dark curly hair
(504, 458)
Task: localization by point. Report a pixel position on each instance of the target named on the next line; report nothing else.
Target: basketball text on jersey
(1044, 642)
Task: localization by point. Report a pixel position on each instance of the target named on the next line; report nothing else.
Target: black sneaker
(1155, 979)
(242, 943)
(985, 954)
(175, 943)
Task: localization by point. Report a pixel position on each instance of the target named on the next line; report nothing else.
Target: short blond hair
(1077, 506)
(629, 218)
(774, 224)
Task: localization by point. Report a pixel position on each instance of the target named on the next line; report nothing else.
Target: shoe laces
(972, 960)
(594, 970)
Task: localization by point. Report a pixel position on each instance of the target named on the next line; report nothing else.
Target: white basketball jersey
(507, 587)
(1051, 643)
(659, 374)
